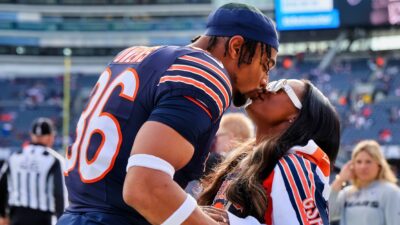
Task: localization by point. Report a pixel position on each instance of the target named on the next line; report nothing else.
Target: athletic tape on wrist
(152, 162)
(182, 213)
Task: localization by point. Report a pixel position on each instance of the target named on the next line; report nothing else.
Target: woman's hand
(219, 215)
(346, 174)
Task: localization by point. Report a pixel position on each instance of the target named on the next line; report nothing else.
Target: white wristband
(182, 213)
(152, 162)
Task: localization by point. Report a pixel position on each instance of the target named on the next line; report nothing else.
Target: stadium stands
(361, 117)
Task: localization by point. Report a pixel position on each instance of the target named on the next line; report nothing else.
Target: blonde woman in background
(372, 197)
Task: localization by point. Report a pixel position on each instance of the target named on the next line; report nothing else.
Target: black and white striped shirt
(35, 180)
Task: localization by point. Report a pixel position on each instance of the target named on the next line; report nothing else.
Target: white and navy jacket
(297, 190)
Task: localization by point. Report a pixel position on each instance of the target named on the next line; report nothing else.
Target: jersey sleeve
(184, 115)
(297, 193)
(199, 77)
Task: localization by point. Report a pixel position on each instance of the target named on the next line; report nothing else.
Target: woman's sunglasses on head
(275, 86)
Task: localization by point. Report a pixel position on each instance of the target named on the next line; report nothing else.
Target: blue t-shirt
(184, 88)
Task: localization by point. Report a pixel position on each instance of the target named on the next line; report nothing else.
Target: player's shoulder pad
(201, 73)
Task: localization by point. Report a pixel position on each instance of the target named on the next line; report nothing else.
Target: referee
(32, 180)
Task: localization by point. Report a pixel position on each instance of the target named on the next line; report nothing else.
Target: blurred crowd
(366, 93)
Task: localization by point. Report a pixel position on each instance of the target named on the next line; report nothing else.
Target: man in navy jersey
(147, 127)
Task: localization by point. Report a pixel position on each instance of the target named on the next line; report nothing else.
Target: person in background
(234, 128)
(372, 197)
(33, 179)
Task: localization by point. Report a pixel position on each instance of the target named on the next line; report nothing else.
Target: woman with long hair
(281, 177)
(372, 197)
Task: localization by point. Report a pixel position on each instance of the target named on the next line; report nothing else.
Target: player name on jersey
(134, 54)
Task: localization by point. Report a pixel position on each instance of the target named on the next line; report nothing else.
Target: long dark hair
(317, 120)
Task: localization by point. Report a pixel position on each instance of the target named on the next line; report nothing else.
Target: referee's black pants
(27, 216)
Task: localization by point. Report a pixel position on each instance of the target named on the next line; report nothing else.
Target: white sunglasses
(275, 86)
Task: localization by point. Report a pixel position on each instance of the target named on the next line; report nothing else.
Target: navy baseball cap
(42, 126)
(244, 20)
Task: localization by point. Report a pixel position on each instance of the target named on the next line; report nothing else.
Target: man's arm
(191, 95)
(151, 192)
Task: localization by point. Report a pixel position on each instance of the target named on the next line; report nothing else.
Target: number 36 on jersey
(96, 121)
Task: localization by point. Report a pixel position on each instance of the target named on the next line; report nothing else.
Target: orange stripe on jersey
(268, 188)
(320, 158)
(210, 66)
(219, 205)
(205, 75)
(197, 84)
(300, 171)
(296, 194)
(310, 176)
(199, 104)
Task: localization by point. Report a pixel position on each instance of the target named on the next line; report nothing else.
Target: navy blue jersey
(182, 87)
